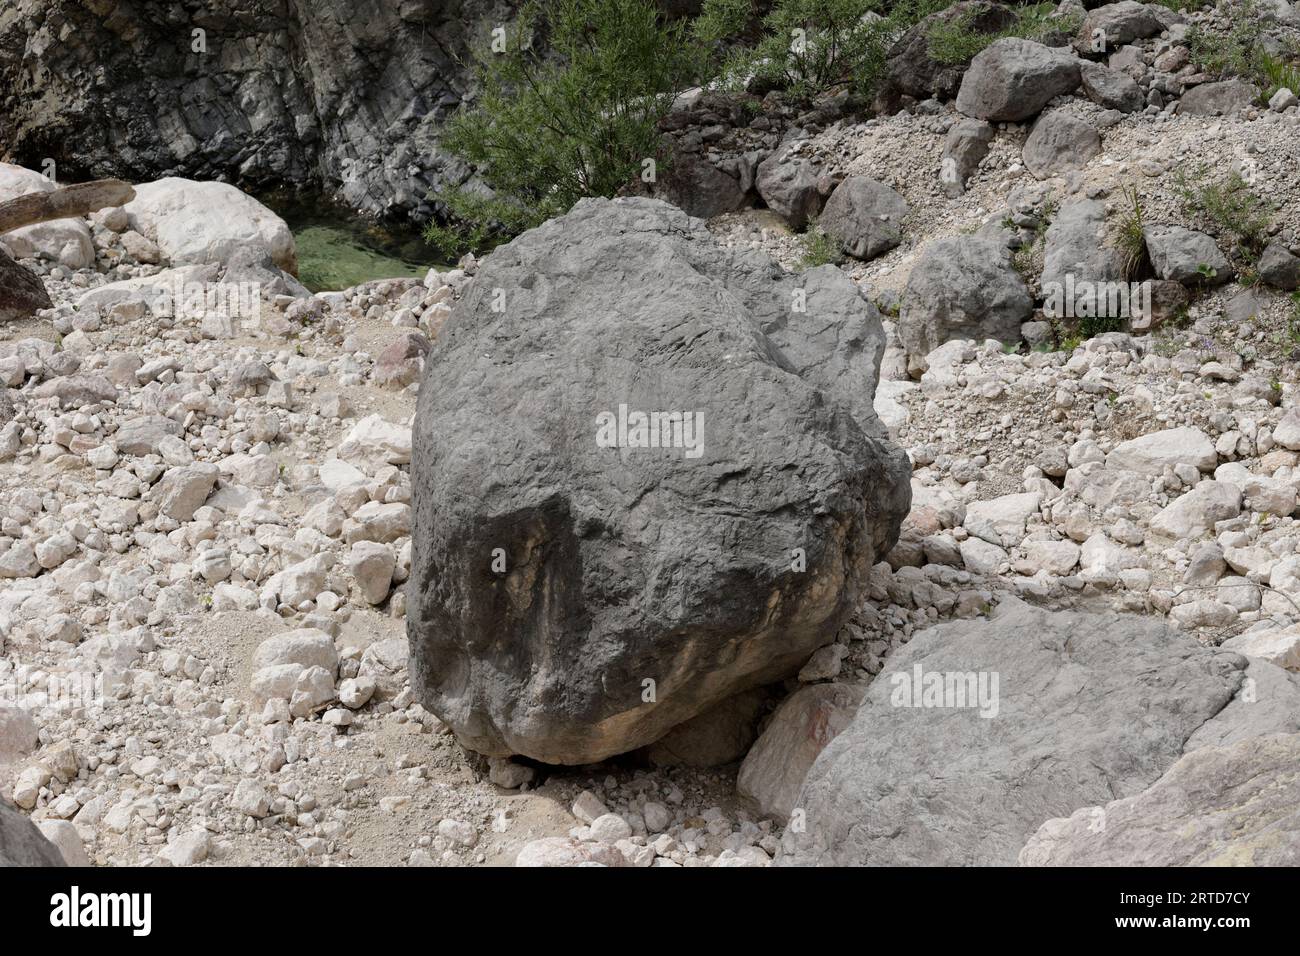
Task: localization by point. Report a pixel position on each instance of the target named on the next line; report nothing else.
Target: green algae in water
(331, 259)
(338, 249)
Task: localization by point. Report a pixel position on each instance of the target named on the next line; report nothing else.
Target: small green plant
(1275, 74)
(1090, 327)
(1131, 234)
(1230, 207)
(1206, 271)
(819, 248)
(1185, 6)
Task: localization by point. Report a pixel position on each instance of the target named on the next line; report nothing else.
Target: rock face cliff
(331, 94)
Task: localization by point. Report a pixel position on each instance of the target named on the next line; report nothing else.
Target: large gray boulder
(569, 600)
(1085, 709)
(787, 181)
(1236, 805)
(1060, 143)
(1278, 267)
(1079, 264)
(21, 844)
(1011, 80)
(1184, 255)
(1218, 99)
(1268, 702)
(864, 216)
(961, 288)
(911, 70)
(1113, 89)
(1116, 24)
(21, 292)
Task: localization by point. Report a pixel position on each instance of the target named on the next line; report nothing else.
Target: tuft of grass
(1241, 51)
(1131, 236)
(1275, 74)
(1184, 6)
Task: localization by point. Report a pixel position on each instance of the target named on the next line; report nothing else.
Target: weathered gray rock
(1279, 268)
(21, 844)
(1060, 143)
(1268, 702)
(65, 241)
(1218, 99)
(21, 292)
(142, 436)
(1150, 454)
(1193, 514)
(964, 148)
(1012, 80)
(626, 565)
(1117, 24)
(961, 288)
(1186, 256)
(799, 730)
(1087, 708)
(787, 181)
(1079, 265)
(1279, 646)
(1112, 89)
(864, 216)
(912, 71)
(1237, 805)
(696, 185)
(194, 223)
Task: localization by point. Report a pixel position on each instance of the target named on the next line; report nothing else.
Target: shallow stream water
(338, 249)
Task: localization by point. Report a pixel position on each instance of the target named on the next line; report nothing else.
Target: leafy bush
(581, 119)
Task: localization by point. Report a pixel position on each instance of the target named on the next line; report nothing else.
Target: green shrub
(807, 47)
(819, 248)
(1230, 207)
(581, 119)
(956, 41)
